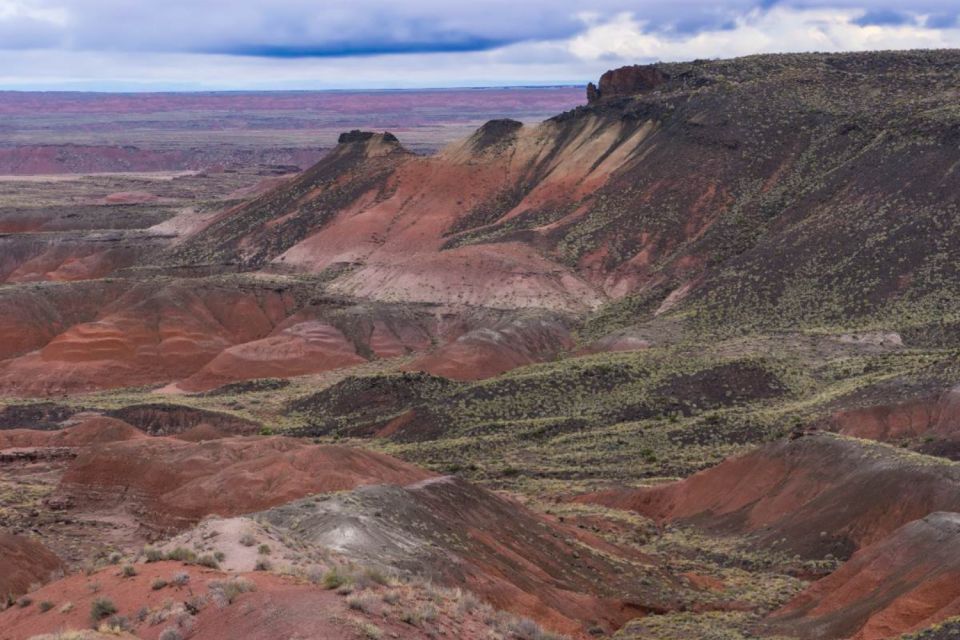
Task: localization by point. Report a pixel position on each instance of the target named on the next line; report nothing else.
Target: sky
(160, 45)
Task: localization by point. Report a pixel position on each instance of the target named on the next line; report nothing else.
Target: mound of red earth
(934, 416)
(457, 534)
(813, 495)
(169, 484)
(208, 333)
(26, 563)
(487, 351)
(269, 607)
(94, 430)
(905, 582)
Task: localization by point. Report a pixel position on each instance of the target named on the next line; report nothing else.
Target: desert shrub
(334, 579)
(247, 539)
(362, 603)
(262, 564)
(428, 613)
(158, 584)
(171, 633)
(225, 592)
(45, 606)
(208, 560)
(153, 554)
(128, 571)
(391, 597)
(411, 617)
(264, 549)
(468, 603)
(117, 623)
(220, 556)
(180, 579)
(182, 554)
(370, 630)
(102, 608)
(25, 601)
(526, 629)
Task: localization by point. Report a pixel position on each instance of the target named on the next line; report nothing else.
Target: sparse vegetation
(102, 608)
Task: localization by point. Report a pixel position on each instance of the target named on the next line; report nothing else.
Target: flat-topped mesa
(357, 135)
(626, 81)
(369, 144)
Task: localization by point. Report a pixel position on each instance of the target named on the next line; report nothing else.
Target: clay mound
(32, 316)
(307, 347)
(25, 563)
(487, 352)
(170, 484)
(936, 416)
(149, 335)
(822, 493)
(905, 582)
(362, 404)
(96, 430)
(457, 534)
(163, 419)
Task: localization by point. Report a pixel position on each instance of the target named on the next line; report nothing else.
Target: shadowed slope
(814, 495)
(907, 581)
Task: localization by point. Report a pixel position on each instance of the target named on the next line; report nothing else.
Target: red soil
(146, 336)
(905, 582)
(456, 534)
(934, 416)
(822, 493)
(486, 352)
(307, 347)
(97, 430)
(169, 484)
(279, 608)
(25, 563)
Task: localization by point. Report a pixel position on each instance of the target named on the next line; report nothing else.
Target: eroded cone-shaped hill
(169, 484)
(813, 495)
(905, 582)
(92, 431)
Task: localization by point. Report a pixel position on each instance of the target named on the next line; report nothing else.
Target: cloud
(779, 28)
(388, 43)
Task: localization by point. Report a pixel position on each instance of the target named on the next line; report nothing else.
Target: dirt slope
(26, 562)
(457, 534)
(813, 495)
(905, 582)
(169, 484)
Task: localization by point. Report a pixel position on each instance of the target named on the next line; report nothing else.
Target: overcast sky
(331, 44)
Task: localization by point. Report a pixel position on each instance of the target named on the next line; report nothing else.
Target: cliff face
(626, 81)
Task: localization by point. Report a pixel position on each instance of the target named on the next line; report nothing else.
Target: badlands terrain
(678, 362)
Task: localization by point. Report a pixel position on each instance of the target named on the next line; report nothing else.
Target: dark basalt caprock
(362, 136)
(626, 81)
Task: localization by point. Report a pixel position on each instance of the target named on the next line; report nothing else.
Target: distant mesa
(363, 136)
(626, 81)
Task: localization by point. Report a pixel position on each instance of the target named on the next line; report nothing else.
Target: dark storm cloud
(335, 28)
